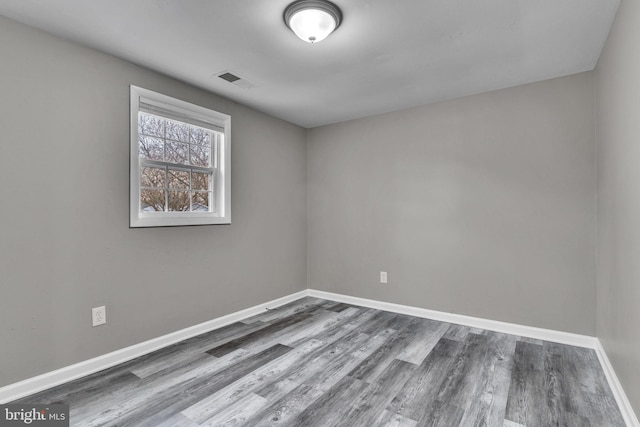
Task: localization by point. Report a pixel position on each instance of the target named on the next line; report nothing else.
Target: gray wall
(483, 206)
(65, 245)
(618, 134)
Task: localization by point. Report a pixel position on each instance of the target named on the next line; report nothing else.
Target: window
(180, 160)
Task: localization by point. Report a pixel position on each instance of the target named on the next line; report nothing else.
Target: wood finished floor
(320, 363)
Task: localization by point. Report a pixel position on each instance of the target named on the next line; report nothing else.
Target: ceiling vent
(236, 80)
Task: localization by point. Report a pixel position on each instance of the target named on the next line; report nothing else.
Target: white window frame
(222, 173)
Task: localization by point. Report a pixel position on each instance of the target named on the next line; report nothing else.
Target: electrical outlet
(383, 277)
(99, 315)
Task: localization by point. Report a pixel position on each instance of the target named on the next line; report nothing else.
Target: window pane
(200, 155)
(178, 179)
(200, 136)
(177, 152)
(200, 181)
(177, 131)
(200, 201)
(151, 200)
(150, 148)
(178, 201)
(152, 177)
(150, 125)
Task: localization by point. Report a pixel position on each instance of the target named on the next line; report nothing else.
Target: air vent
(229, 77)
(236, 80)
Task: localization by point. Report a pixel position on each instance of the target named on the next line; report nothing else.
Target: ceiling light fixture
(312, 20)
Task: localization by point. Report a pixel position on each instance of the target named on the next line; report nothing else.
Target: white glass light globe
(312, 25)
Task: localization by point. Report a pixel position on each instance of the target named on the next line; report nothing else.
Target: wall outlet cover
(99, 315)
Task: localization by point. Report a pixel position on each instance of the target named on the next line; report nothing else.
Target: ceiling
(386, 55)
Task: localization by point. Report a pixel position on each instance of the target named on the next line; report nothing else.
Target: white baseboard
(69, 373)
(459, 319)
(616, 388)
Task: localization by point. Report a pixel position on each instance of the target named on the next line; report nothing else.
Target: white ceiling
(386, 55)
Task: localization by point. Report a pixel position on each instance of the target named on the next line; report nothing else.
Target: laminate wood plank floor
(320, 363)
